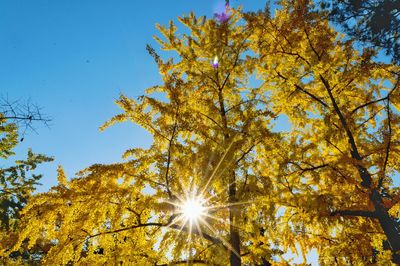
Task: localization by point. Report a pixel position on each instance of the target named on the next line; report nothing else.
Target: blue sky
(73, 58)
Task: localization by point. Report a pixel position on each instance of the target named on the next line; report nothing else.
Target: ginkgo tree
(193, 195)
(218, 186)
(343, 146)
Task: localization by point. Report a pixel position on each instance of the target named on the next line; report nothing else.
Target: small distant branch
(153, 54)
(246, 153)
(24, 114)
(331, 240)
(312, 96)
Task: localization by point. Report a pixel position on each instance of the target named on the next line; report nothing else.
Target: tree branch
(327, 140)
(395, 86)
(367, 214)
(350, 137)
(236, 61)
(311, 45)
(168, 224)
(364, 174)
(210, 118)
(370, 117)
(169, 159)
(22, 113)
(188, 262)
(298, 87)
(244, 102)
(388, 144)
(368, 103)
(312, 168)
(246, 152)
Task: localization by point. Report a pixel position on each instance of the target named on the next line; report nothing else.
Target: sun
(193, 209)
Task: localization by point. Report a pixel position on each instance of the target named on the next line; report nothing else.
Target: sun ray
(180, 218)
(217, 167)
(225, 242)
(195, 208)
(190, 241)
(218, 192)
(222, 221)
(227, 205)
(199, 228)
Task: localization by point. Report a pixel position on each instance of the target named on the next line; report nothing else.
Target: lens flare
(215, 62)
(193, 209)
(222, 13)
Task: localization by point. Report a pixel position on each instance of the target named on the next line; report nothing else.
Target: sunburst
(195, 215)
(194, 210)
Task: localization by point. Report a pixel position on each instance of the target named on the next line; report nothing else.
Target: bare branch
(236, 61)
(342, 119)
(24, 114)
(370, 117)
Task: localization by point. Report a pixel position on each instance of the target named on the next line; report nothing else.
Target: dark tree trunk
(235, 258)
(389, 226)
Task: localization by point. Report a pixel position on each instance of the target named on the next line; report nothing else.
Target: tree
(343, 148)
(373, 22)
(15, 184)
(206, 128)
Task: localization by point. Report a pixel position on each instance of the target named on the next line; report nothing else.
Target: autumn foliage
(324, 183)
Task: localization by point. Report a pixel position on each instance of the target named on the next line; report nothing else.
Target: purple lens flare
(215, 62)
(223, 15)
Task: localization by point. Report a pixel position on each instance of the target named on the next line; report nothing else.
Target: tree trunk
(235, 258)
(389, 226)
